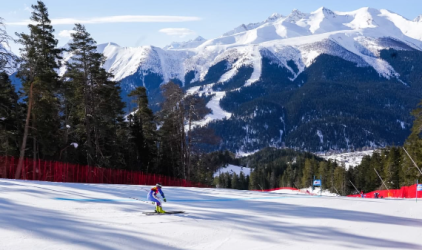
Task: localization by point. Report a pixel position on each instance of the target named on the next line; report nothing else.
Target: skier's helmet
(158, 185)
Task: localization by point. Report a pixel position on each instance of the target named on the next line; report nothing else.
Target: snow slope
(42, 215)
(317, 191)
(233, 169)
(304, 191)
(217, 113)
(184, 45)
(351, 159)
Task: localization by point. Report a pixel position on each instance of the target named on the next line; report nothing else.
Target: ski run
(44, 215)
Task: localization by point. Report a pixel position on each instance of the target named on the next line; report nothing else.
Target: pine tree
(7, 59)
(172, 132)
(340, 180)
(78, 99)
(413, 145)
(39, 62)
(323, 172)
(290, 176)
(242, 181)
(178, 139)
(308, 174)
(235, 181)
(195, 109)
(10, 119)
(392, 167)
(143, 130)
(9, 112)
(221, 181)
(92, 103)
(283, 180)
(373, 181)
(253, 180)
(272, 180)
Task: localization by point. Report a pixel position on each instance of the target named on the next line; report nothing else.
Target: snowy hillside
(305, 191)
(186, 45)
(233, 169)
(42, 215)
(351, 159)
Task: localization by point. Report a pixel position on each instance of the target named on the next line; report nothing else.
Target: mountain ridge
(314, 81)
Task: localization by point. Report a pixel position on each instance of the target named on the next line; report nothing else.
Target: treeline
(274, 168)
(77, 116)
(397, 166)
(388, 168)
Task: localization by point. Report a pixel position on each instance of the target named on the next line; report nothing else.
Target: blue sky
(159, 22)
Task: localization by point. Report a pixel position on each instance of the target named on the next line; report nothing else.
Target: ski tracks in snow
(257, 66)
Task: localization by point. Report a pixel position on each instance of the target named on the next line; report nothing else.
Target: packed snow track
(44, 215)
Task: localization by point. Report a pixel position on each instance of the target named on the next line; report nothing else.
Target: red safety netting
(404, 192)
(41, 170)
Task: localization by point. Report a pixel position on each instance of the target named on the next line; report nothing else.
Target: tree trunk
(189, 143)
(34, 156)
(25, 136)
(4, 175)
(183, 141)
(34, 163)
(88, 126)
(66, 131)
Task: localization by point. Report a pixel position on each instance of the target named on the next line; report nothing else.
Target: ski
(149, 202)
(169, 212)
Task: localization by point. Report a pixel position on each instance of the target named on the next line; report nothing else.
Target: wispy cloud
(27, 8)
(180, 32)
(117, 19)
(66, 33)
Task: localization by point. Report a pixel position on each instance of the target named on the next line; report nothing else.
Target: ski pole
(354, 186)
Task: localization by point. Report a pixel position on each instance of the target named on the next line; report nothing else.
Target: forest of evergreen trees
(79, 117)
(273, 168)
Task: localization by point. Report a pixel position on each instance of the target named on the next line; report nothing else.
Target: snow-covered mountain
(418, 19)
(7, 59)
(288, 55)
(357, 35)
(186, 45)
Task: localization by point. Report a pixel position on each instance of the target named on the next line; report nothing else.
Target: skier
(152, 196)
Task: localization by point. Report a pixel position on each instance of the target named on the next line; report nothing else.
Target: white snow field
(233, 169)
(351, 159)
(43, 215)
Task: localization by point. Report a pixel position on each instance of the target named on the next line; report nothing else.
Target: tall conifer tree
(143, 130)
(40, 57)
(93, 102)
(413, 145)
(10, 120)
